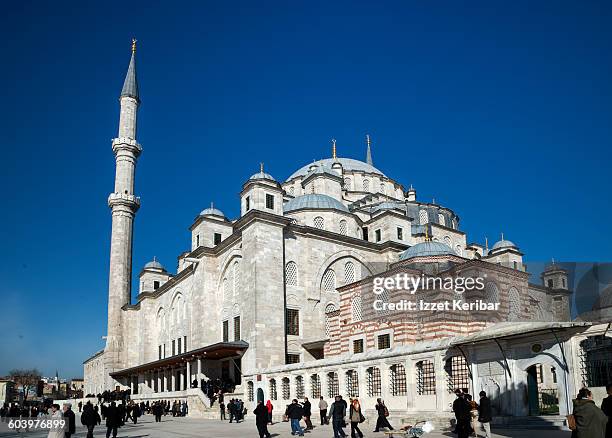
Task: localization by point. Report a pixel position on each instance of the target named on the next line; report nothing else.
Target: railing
(548, 400)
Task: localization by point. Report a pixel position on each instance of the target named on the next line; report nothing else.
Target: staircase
(543, 422)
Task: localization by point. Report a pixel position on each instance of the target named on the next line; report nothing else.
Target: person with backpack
(90, 418)
(383, 413)
(337, 412)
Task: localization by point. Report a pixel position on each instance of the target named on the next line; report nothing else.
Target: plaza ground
(189, 427)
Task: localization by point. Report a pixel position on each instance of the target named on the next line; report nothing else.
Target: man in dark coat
(135, 413)
(461, 408)
(307, 413)
(337, 412)
(231, 408)
(606, 407)
(69, 415)
(261, 420)
(90, 419)
(158, 410)
(485, 414)
(591, 422)
(295, 412)
(113, 420)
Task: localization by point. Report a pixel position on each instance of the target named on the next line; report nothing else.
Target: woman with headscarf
(383, 413)
(356, 417)
(269, 407)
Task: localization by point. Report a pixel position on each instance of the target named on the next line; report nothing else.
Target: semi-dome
(503, 244)
(315, 201)
(347, 163)
(262, 175)
(154, 264)
(425, 249)
(212, 211)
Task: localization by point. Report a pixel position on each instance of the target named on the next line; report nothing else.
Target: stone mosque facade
(279, 300)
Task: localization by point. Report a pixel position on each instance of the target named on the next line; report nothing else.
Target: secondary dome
(425, 249)
(347, 164)
(212, 211)
(502, 244)
(262, 175)
(154, 264)
(316, 201)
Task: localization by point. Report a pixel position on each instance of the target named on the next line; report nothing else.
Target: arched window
(347, 183)
(366, 185)
(398, 379)
(426, 378)
(227, 294)
(292, 190)
(315, 386)
(423, 218)
(448, 241)
(374, 386)
(349, 272)
(332, 384)
(382, 187)
(330, 309)
(458, 250)
(352, 383)
(343, 227)
(329, 281)
(356, 309)
(441, 219)
(384, 298)
(299, 387)
(273, 395)
(236, 269)
(491, 293)
(285, 388)
(291, 274)
(251, 391)
(457, 373)
(319, 222)
(514, 304)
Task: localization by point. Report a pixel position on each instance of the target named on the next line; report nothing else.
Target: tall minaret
(123, 204)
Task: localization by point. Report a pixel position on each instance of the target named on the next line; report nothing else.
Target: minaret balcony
(126, 143)
(125, 200)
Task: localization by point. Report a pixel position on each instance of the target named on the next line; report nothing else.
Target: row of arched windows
(457, 375)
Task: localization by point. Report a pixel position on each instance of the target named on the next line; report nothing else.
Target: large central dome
(347, 163)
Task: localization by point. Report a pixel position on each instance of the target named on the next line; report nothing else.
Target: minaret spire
(334, 148)
(130, 84)
(369, 151)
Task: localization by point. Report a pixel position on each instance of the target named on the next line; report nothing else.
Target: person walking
(113, 420)
(591, 421)
(270, 408)
(158, 410)
(222, 410)
(337, 412)
(383, 413)
(70, 420)
(307, 413)
(231, 409)
(261, 420)
(323, 411)
(473, 413)
(485, 414)
(135, 413)
(90, 418)
(56, 414)
(356, 417)
(606, 407)
(461, 408)
(294, 413)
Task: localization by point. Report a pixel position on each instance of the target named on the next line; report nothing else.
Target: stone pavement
(189, 427)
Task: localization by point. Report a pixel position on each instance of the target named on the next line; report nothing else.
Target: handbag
(386, 412)
(571, 421)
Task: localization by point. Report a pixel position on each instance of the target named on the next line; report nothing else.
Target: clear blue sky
(500, 110)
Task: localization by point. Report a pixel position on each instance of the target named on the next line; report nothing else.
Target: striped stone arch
(344, 254)
(227, 265)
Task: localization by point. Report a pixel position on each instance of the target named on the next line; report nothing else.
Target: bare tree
(26, 379)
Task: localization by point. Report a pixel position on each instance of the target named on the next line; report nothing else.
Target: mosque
(281, 300)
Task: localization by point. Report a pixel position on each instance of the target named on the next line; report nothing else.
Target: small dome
(347, 163)
(154, 264)
(553, 267)
(316, 201)
(261, 175)
(212, 211)
(425, 249)
(503, 244)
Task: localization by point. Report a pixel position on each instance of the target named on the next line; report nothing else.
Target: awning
(220, 350)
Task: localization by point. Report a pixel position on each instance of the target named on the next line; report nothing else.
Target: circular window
(536, 348)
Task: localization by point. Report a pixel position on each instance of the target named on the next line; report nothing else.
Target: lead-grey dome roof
(154, 264)
(425, 249)
(504, 244)
(211, 211)
(347, 164)
(316, 201)
(262, 175)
